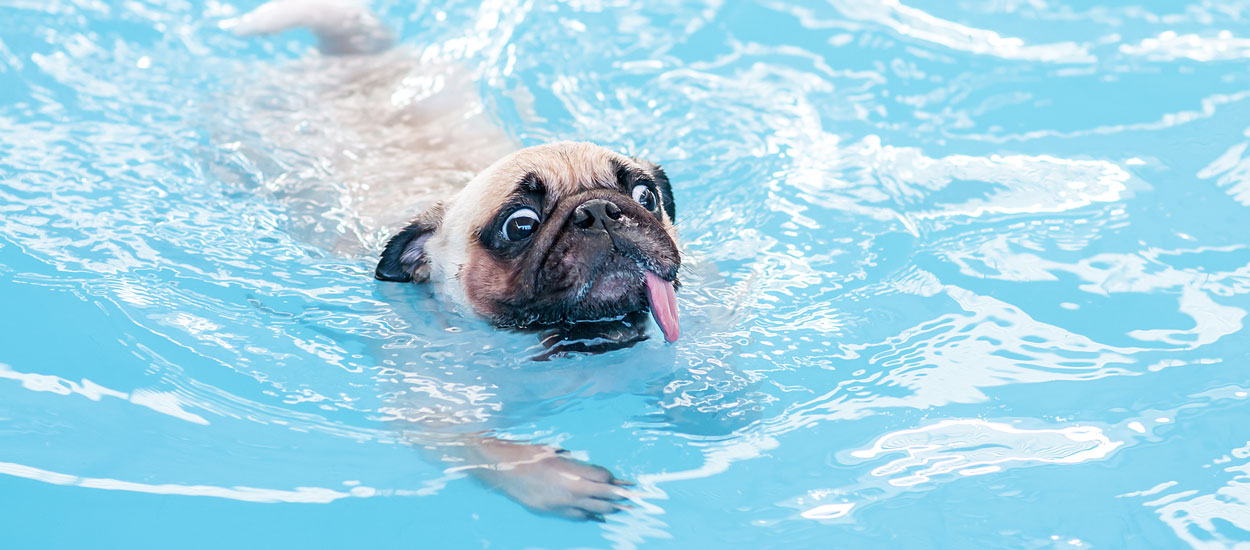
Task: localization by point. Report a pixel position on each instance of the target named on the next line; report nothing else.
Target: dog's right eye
(520, 224)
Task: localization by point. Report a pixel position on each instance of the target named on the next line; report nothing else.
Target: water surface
(958, 275)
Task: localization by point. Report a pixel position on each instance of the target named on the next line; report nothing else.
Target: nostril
(612, 210)
(583, 218)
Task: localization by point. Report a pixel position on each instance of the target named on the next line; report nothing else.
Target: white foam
(828, 511)
(163, 402)
(1232, 172)
(1170, 46)
(1209, 520)
(970, 447)
(920, 25)
(1023, 183)
(247, 494)
(1110, 273)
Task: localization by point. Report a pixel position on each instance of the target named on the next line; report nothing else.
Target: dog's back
(361, 136)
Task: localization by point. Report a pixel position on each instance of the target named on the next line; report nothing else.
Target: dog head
(550, 235)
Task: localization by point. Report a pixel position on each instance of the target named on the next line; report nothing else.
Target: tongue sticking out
(663, 305)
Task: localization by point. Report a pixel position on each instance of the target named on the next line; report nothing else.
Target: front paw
(549, 481)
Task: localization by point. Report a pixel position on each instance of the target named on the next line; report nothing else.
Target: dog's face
(550, 235)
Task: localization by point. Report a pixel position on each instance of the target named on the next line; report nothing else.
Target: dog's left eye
(645, 196)
(520, 224)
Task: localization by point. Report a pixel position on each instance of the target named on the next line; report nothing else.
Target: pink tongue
(663, 305)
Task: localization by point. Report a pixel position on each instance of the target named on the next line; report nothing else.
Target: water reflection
(922, 26)
(975, 447)
(924, 247)
(1230, 171)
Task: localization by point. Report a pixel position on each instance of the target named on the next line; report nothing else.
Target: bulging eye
(520, 224)
(645, 196)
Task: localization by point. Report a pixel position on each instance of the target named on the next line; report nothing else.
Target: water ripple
(974, 447)
(971, 255)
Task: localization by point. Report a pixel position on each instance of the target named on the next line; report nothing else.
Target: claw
(614, 496)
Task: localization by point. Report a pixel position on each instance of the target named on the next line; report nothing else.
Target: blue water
(961, 275)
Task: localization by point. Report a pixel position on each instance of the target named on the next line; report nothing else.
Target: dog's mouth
(626, 284)
(589, 334)
(619, 286)
(662, 299)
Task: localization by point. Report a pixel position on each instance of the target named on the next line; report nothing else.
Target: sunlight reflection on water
(937, 257)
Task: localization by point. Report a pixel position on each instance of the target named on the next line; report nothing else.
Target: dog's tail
(342, 27)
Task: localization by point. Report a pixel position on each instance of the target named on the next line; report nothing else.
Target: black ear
(666, 189)
(404, 258)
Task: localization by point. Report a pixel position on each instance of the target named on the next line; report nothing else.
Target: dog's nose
(596, 211)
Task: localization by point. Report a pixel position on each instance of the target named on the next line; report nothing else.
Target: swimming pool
(959, 275)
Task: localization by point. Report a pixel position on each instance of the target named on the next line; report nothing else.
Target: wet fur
(447, 245)
(456, 246)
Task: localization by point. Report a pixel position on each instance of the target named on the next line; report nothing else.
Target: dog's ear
(666, 189)
(404, 257)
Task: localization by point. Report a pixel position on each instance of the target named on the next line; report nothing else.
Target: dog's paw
(549, 481)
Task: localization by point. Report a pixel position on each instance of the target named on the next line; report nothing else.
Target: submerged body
(378, 136)
(568, 238)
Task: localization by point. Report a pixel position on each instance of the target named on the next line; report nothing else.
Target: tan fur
(565, 168)
(485, 281)
(400, 130)
(466, 273)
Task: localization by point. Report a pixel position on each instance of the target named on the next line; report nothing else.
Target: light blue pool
(959, 274)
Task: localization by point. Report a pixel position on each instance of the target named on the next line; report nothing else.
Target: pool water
(966, 274)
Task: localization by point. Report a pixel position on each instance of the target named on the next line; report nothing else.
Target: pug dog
(551, 235)
(568, 239)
